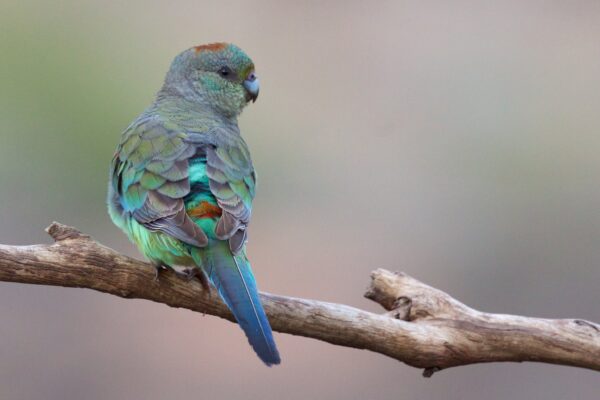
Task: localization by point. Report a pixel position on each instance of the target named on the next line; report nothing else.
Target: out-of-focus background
(456, 141)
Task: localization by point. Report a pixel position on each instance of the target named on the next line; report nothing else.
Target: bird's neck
(190, 111)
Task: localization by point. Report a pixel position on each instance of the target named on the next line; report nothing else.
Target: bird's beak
(252, 87)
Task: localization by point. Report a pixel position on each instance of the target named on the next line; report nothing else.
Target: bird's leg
(158, 268)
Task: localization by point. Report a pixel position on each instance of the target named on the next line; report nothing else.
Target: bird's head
(219, 75)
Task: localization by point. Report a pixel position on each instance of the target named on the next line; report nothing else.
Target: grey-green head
(217, 75)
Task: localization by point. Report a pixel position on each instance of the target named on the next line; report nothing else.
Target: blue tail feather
(233, 278)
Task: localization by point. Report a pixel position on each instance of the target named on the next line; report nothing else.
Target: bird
(182, 182)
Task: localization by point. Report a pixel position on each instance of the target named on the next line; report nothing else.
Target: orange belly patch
(205, 210)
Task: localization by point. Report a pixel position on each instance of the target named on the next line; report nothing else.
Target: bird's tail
(232, 277)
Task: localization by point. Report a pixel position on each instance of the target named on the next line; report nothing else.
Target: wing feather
(150, 178)
(232, 181)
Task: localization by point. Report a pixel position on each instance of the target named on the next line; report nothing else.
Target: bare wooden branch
(423, 326)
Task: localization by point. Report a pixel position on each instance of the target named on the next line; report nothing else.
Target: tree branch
(424, 327)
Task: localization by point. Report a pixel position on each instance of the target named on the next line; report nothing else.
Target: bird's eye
(224, 72)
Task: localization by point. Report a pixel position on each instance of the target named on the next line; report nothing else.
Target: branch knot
(60, 232)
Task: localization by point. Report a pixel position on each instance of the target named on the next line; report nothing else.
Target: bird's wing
(232, 181)
(150, 175)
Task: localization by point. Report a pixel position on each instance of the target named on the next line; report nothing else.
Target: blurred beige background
(456, 141)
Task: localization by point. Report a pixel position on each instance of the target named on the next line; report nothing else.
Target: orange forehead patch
(205, 210)
(210, 47)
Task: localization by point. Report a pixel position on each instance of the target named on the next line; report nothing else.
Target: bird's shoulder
(154, 139)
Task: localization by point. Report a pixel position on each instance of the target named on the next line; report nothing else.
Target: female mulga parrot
(182, 181)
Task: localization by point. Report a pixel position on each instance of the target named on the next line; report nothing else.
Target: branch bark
(423, 326)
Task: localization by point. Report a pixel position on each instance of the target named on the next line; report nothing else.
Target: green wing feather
(150, 179)
(232, 181)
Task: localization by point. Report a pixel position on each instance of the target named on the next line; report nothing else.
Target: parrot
(181, 182)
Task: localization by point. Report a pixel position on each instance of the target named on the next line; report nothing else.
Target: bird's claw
(187, 274)
(191, 273)
(158, 268)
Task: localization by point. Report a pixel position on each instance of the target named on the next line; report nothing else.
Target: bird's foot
(195, 272)
(158, 269)
(187, 274)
